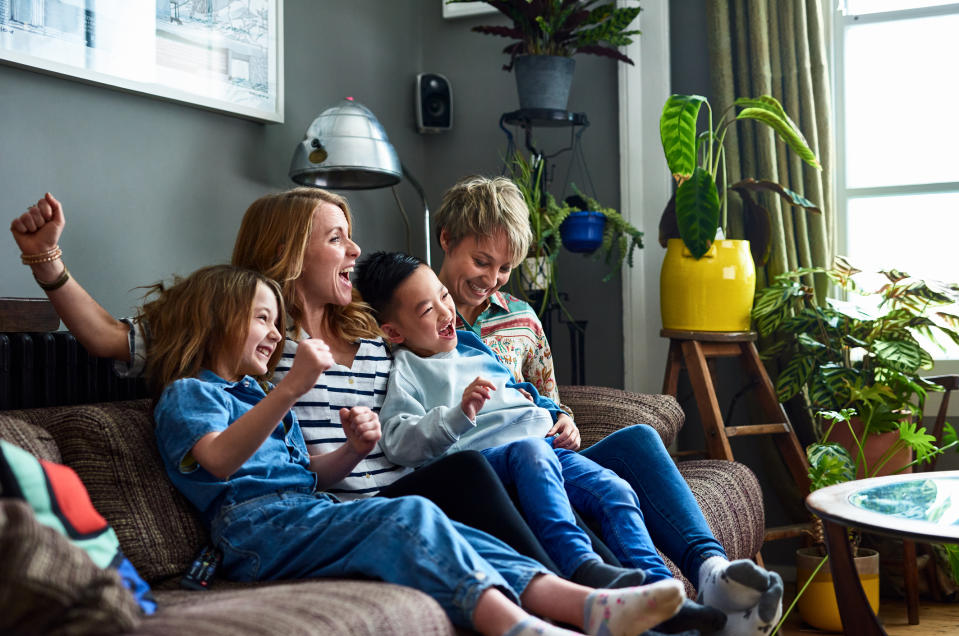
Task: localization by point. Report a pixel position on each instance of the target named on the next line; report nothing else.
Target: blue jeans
(548, 481)
(408, 540)
(672, 517)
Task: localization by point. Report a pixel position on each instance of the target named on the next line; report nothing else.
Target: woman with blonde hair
(483, 228)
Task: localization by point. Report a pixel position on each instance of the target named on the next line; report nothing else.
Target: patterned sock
(629, 611)
(602, 575)
(532, 626)
(750, 596)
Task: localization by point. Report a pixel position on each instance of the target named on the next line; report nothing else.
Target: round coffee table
(917, 506)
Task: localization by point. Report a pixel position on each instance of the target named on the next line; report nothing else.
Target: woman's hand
(313, 357)
(362, 428)
(475, 396)
(38, 229)
(567, 435)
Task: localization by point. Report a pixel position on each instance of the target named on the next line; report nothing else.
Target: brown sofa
(112, 449)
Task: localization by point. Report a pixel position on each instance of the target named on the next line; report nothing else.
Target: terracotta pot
(874, 448)
(818, 605)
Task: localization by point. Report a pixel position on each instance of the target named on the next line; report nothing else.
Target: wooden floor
(934, 619)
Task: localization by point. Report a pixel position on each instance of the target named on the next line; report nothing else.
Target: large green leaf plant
(865, 351)
(697, 161)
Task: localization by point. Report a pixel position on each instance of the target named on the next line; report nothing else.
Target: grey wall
(152, 187)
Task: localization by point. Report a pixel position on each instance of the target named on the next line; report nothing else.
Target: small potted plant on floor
(547, 33)
(708, 285)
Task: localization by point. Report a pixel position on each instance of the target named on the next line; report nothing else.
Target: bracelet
(45, 257)
(57, 284)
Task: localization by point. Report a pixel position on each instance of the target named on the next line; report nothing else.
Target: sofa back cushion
(30, 437)
(113, 450)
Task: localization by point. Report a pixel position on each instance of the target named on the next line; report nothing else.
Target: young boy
(427, 413)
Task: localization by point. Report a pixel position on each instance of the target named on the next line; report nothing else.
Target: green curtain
(778, 48)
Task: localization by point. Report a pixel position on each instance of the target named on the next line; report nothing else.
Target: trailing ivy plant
(620, 237)
(697, 161)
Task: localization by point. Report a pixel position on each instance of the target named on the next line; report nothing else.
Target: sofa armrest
(599, 411)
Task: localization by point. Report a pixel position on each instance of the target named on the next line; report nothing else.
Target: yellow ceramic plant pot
(818, 605)
(713, 293)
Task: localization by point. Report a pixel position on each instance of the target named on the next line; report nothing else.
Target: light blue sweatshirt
(422, 418)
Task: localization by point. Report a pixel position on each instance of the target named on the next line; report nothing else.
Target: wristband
(57, 284)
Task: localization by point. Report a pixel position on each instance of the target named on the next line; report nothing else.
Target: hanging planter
(582, 231)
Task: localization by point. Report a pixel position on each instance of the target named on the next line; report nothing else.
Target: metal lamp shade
(346, 148)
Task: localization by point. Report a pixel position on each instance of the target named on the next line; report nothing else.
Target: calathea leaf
(793, 376)
(677, 130)
(697, 211)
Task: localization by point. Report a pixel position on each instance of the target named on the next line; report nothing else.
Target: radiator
(52, 369)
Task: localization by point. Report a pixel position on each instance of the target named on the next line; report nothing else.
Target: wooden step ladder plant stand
(693, 350)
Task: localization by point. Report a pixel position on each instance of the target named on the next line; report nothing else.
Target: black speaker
(434, 103)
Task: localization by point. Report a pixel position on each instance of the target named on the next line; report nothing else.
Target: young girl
(237, 453)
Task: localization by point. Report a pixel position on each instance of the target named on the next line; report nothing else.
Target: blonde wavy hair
(483, 206)
(272, 240)
(199, 319)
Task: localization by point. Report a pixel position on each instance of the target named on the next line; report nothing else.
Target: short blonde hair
(272, 240)
(483, 206)
(200, 318)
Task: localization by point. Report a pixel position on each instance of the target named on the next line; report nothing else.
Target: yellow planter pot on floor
(818, 605)
(713, 293)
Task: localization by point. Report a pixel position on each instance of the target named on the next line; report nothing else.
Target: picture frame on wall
(463, 9)
(221, 55)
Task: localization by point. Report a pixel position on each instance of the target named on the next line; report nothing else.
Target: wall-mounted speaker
(434, 103)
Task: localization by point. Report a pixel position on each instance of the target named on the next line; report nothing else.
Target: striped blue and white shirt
(318, 410)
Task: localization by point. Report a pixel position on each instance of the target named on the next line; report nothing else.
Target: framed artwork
(222, 55)
(463, 9)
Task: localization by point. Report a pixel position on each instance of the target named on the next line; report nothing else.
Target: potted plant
(547, 33)
(605, 230)
(537, 273)
(856, 363)
(549, 221)
(831, 463)
(715, 293)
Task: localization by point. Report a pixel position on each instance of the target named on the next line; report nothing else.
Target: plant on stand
(548, 220)
(856, 363)
(715, 293)
(547, 33)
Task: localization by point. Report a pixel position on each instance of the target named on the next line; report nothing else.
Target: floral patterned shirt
(511, 328)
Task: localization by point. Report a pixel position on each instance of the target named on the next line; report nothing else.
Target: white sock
(750, 596)
(532, 626)
(630, 610)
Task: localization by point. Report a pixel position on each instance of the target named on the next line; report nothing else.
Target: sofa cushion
(113, 450)
(322, 607)
(30, 437)
(48, 585)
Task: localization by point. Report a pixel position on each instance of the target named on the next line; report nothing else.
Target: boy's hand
(567, 435)
(38, 229)
(313, 357)
(526, 394)
(362, 428)
(475, 396)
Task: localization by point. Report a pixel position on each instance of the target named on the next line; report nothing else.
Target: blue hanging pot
(582, 231)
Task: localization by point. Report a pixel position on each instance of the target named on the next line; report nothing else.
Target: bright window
(898, 141)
